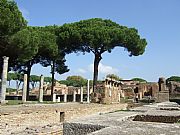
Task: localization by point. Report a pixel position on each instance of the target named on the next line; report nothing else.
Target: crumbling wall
(79, 129)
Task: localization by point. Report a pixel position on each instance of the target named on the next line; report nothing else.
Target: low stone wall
(80, 129)
(161, 119)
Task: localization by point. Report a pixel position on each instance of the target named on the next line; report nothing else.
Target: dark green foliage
(113, 76)
(174, 78)
(26, 44)
(11, 19)
(16, 77)
(38, 45)
(139, 79)
(64, 82)
(76, 81)
(34, 79)
(10, 77)
(47, 79)
(10, 90)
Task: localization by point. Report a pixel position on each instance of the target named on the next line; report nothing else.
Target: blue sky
(156, 20)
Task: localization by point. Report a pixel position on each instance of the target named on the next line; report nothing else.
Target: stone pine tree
(54, 58)
(27, 42)
(38, 45)
(98, 36)
(11, 21)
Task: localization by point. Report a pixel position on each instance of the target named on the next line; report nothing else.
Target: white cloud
(80, 70)
(25, 13)
(104, 69)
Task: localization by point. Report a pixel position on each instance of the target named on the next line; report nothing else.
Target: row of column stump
(24, 92)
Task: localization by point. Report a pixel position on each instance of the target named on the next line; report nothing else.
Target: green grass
(178, 121)
(18, 102)
(14, 102)
(125, 100)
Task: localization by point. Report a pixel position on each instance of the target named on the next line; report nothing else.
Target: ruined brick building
(111, 91)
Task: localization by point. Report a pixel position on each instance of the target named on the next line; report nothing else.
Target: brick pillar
(4, 80)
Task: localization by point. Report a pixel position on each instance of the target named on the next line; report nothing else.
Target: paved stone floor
(121, 123)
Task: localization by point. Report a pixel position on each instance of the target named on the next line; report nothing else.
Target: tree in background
(139, 79)
(55, 57)
(98, 36)
(47, 79)
(16, 77)
(10, 77)
(113, 76)
(173, 78)
(34, 79)
(76, 81)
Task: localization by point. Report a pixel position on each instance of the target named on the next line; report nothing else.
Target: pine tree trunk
(97, 59)
(17, 88)
(52, 81)
(28, 78)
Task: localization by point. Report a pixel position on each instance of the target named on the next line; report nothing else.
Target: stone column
(119, 97)
(74, 96)
(65, 97)
(54, 97)
(110, 89)
(58, 99)
(4, 80)
(81, 94)
(88, 100)
(41, 88)
(24, 88)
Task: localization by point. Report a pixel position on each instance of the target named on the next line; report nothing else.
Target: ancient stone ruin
(111, 91)
(107, 92)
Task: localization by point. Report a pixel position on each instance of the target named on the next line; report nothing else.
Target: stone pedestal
(163, 94)
(41, 89)
(24, 88)
(81, 94)
(4, 80)
(65, 98)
